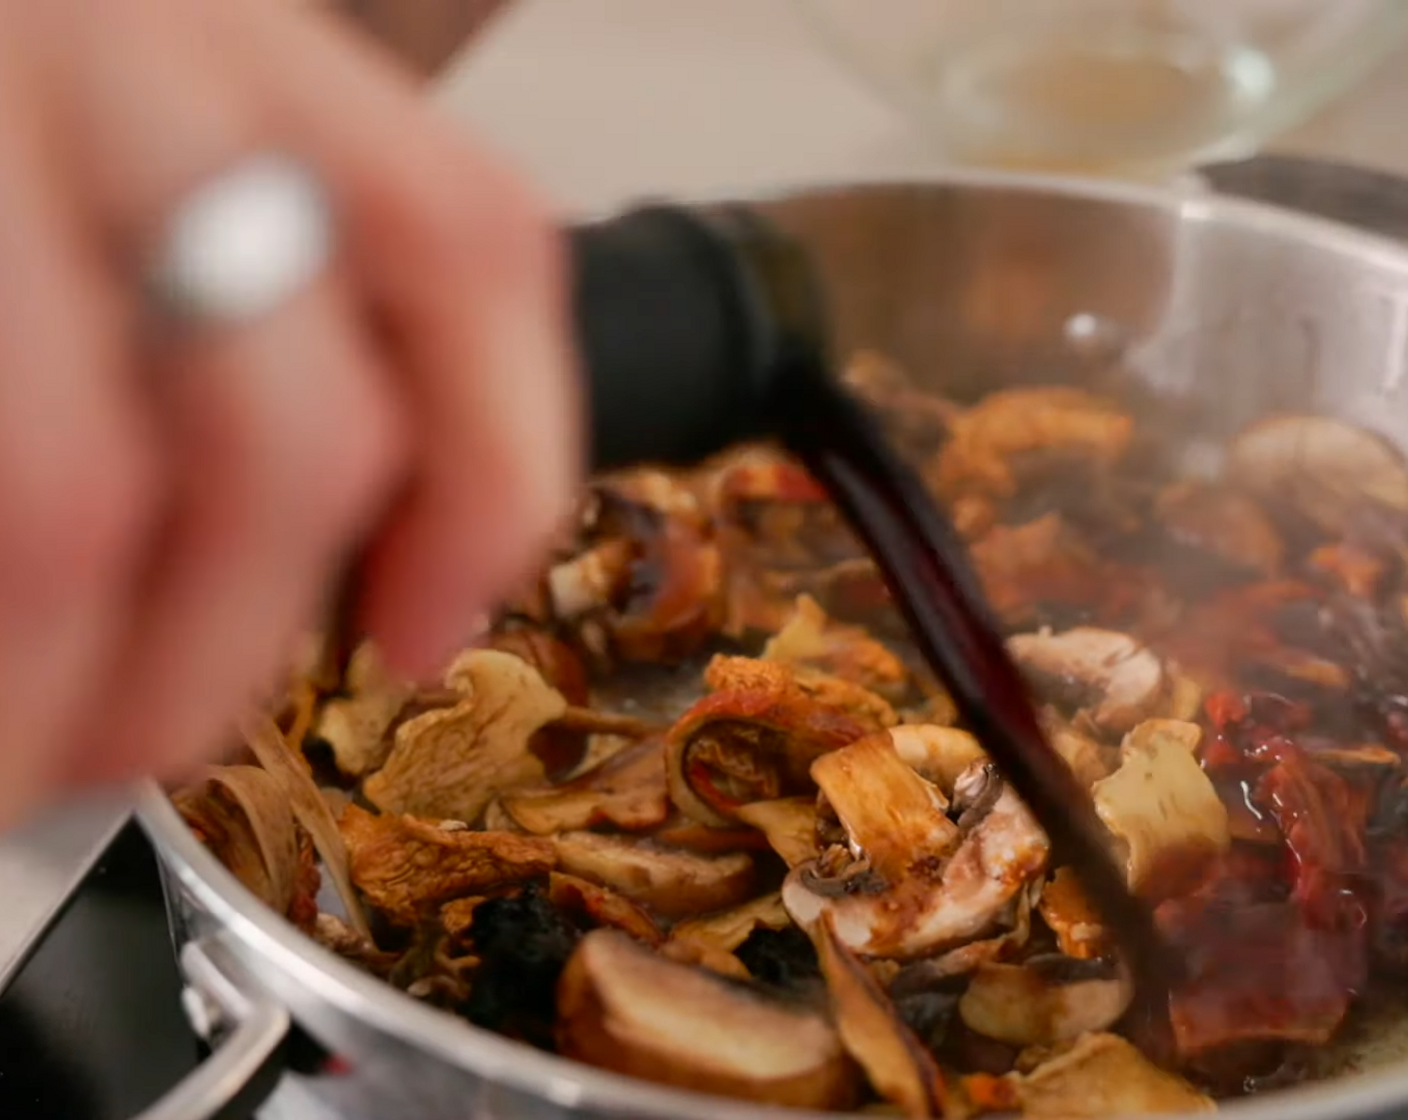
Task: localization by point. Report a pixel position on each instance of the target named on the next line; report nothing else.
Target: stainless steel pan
(1228, 309)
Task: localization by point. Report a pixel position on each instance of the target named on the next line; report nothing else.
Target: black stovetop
(92, 1027)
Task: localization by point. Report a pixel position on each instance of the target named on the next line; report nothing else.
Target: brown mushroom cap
(1326, 469)
(626, 1009)
(1119, 680)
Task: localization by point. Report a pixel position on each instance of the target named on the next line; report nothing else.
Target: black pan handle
(683, 319)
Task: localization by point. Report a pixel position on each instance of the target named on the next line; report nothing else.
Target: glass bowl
(1133, 87)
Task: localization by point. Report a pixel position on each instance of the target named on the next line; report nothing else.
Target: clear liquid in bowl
(1123, 98)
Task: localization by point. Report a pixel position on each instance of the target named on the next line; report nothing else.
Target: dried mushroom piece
(598, 906)
(1163, 809)
(1103, 1075)
(627, 791)
(1327, 470)
(407, 867)
(672, 883)
(811, 640)
(1223, 523)
(1088, 759)
(449, 764)
(898, 1066)
(457, 916)
(944, 898)
(1016, 433)
(646, 584)
(729, 929)
(1040, 564)
(627, 1009)
(1077, 925)
(1118, 680)
(1045, 1000)
(893, 818)
(754, 744)
(789, 824)
(243, 816)
(745, 674)
(335, 935)
(290, 770)
(355, 726)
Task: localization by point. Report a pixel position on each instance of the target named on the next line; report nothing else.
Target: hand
(171, 515)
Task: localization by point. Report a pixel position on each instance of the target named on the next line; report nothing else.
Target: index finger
(463, 265)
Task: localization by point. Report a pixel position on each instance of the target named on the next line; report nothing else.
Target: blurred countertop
(606, 100)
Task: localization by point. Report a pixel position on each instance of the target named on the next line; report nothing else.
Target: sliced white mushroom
(626, 1009)
(1119, 680)
(944, 898)
(1325, 468)
(1162, 808)
(1044, 1000)
(937, 754)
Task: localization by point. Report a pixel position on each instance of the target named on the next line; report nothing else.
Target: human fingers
(78, 482)
(282, 435)
(464, 268)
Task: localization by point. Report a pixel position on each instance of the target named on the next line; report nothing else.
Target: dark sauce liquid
(925, 565)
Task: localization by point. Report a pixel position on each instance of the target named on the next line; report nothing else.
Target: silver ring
(242, 244)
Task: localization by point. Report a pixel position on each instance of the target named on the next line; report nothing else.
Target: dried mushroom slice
(449, 764)
(1038, 564)
(1163, 809)
(729, 929)
(1079, 931)
(601, 907)
(646, 583)
(1223, 523)
(290, 770)
(407, 867)
(1327, 470)
(243, 816)
(1045, 1000)
(1118, 680)
(898, 1066)
(1019, 432)
(1103, 1075)
(355, 726)
(789, 823)
(726, 673)
(335, 935)
(811, 640)
(1088, 759)
(672, 883)
(942, 899)
(624, 1008)
(627, 791)
(744, 745)
(893, 818)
